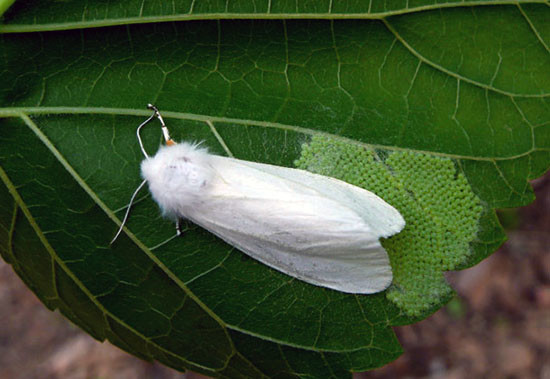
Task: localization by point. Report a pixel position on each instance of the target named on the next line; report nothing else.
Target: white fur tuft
(178, 177)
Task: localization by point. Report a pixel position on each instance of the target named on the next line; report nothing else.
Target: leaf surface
(467, 85)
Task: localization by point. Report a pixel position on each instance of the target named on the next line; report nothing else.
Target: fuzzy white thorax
(178, 177)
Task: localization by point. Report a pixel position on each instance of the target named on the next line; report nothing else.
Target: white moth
(315, 228)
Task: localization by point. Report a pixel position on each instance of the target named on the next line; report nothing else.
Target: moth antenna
(165, 132)
(139, 136)
(128, 210)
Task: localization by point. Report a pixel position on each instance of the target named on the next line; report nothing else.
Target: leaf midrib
(24, 28)
(24, 112)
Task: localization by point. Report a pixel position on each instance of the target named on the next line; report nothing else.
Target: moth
(315, 228)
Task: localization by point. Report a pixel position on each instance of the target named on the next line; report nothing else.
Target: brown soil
(498, 327)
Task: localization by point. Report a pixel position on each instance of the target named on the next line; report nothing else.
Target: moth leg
(179, 226)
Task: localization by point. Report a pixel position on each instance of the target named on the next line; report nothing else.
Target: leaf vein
(455, 74)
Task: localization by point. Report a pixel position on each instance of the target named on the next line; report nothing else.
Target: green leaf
(4, 5)
(444, 113)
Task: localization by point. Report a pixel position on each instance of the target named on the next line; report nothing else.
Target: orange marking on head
(170, 142)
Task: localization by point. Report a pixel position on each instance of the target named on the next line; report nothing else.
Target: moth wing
(297, 223)
(382, 217)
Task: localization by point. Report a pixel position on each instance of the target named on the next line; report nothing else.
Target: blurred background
(498, 326)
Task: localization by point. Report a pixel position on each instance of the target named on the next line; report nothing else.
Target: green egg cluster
(438, 205)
